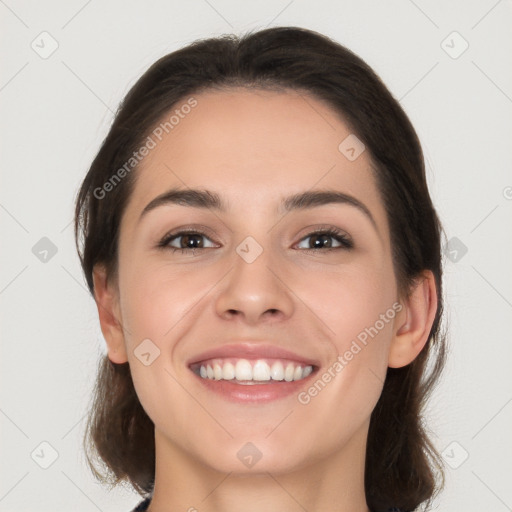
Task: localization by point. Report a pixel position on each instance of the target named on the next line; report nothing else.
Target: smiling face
(259, 283)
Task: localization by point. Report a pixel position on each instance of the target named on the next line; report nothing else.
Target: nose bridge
(254, 287)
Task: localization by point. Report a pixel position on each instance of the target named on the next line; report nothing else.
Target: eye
(185, 240)
(322, 239)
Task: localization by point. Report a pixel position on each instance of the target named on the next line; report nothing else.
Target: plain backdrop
(65, 68)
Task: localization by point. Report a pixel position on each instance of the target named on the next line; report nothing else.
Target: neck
(334, 483)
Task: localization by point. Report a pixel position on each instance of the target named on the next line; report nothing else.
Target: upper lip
(252, 351)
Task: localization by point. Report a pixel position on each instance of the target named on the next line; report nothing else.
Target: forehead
(254, 147)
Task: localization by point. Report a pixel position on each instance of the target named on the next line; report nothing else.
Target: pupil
(189, 238)
(323, 238)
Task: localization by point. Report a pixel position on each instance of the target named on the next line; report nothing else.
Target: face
(300, 295)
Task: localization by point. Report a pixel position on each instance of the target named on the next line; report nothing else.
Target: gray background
(56, 109)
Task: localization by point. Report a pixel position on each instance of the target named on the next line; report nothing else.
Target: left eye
(191, 241)
(322, 239)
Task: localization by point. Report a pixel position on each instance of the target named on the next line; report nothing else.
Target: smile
(247, 371)
(252, 373)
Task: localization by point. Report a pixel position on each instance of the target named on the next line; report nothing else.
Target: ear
(107, 302)
(414, 322)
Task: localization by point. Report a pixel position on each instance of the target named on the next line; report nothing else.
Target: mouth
(255, 375)
(247, 371)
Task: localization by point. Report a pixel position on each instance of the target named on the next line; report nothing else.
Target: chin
(258, 456)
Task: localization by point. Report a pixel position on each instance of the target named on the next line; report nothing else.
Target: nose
(255, 290)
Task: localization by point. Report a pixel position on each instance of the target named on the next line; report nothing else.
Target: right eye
(190, 241)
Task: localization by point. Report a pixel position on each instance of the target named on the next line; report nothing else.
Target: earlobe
(108, 311)
(415, 321)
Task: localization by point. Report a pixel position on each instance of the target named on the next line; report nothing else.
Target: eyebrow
(206, 199)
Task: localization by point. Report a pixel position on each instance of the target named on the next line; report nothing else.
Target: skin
(254, 148)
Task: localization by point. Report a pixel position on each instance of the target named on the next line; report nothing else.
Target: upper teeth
(259, 370)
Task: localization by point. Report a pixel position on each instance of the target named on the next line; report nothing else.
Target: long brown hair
(403, 468)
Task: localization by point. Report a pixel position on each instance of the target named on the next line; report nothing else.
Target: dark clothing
(143, 505)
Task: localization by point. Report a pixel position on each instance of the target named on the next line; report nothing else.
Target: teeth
(243, 370)
(217, 371)
(228, 371)
(259, 370)
(277, 371)
(288, 373)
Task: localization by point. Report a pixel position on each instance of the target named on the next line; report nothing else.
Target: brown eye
(184, 241)
(324, 240)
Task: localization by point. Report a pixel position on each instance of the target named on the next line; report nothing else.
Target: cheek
(351, 299)
(359, 306)
(155, 297)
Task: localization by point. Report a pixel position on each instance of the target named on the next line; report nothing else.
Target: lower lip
(259, 393)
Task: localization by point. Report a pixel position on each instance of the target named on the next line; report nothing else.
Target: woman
(259, 238)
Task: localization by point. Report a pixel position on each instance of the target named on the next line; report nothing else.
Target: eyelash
(346, 243)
